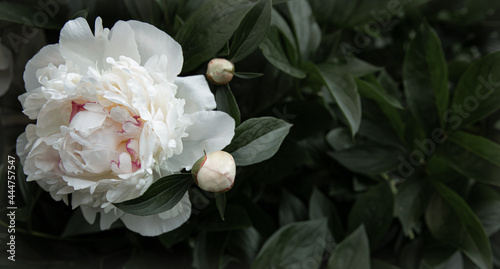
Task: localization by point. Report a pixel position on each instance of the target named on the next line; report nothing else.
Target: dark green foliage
(367, 136)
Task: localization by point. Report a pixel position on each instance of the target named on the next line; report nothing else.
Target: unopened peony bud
(220, 71)
(215, 172)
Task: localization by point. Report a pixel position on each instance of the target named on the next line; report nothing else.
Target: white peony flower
(113, 117)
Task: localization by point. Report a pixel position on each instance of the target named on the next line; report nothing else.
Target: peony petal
(86, 122)
(97, 160)
(25, 142)
(157, 66)
(107, 219)
(54, 113)
(89, 213)
(78, 44)
(155, 225)
(42, 158)
(79, 198)
(32, 102)
(122, 43)
(152, 41)
(77, 183)
(196, 92)
(65, 190)
(122, 166)
(48, 54)
(210, 131)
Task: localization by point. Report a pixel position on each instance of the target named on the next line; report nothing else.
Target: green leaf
(410, 204)
(262, 221)
(307, 31)
(290, 43)
(235, 218)
(451, 221)
(376, 217)
(495, 247)
(344, 91)
(226, 102)
(477, 94)
(161, 196)
(294, 244)
(252, 30)
(247, 75)
(349, 14)
(244, 245)
(275, 2)
(375, 92)
(473, 156)
(411, 254)
(389, 85)
(143, 10)
(220, 202)
(209, 28)
(386, 102)
(425, 78)
(369, 159)
(442, 257)
(485, 202)
(321, 207)
(175, 236)
(25, 14)
(340, 139)
(322, 9)
(291, 209)
(353, 252)
(377, 264)
(275, 53)
(282, 26)
(257, 139)
(209, 250)
(357, 68)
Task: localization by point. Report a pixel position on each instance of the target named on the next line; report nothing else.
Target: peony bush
(113, 117)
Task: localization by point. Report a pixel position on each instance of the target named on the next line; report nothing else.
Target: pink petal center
(75, 108)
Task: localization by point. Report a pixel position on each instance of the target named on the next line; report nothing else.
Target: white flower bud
(220, 71)
(215, 172)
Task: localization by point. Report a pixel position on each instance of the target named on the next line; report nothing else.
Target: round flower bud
(215, 172)
(220, 71)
